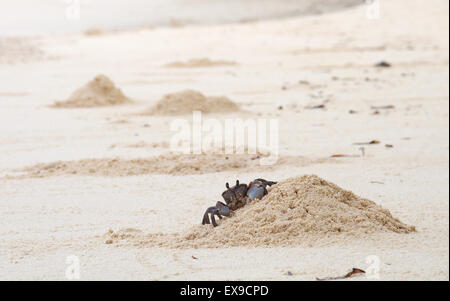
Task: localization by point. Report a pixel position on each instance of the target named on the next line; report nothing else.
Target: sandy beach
(88, 171)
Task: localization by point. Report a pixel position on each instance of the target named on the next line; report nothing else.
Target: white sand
(44, 220)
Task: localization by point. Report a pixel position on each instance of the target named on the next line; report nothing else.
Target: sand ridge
(169, 163)
(101, 91)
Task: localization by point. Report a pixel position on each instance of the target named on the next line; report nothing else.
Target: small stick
(367, 143)
(388, 107)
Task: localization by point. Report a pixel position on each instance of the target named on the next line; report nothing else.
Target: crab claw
(265, 182)
(257, 189)
(219, 210)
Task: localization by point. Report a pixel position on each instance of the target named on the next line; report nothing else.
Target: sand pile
(185, 102)
(15, 50)
(170, 163)
(94, 31)
(302, 211)
(100, 91)
(199, 63)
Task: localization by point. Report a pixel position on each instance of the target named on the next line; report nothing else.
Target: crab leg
(213, 220)
(219, 210)
(206, 215)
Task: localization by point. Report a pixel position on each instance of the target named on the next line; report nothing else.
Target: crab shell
(241, 194)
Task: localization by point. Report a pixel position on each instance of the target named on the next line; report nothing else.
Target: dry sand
(300, 211)
(16, 50)
(99, 92)
(170, 163)
(315, 74)
(200, 63)
(185, 102)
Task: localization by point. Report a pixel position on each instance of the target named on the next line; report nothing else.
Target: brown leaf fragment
(354, 271)
(367, 143)
(344, 156)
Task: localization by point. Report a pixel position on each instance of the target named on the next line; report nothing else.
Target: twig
(387, 107)
(367, 143)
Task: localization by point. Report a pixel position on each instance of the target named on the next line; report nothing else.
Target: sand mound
(15, 50)
(297, 211)
(100, 91)
(170, 163)
(94, 31)
(189, 100)
(199, 63)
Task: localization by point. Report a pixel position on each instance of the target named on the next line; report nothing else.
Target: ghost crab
(236, 197)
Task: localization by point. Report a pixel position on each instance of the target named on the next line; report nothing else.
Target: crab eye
(237, 182)
(227, 186)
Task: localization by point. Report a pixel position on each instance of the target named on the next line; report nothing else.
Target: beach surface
(95, 184)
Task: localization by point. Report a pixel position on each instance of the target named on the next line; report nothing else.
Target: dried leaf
(354, 271)
(344, 156)
(367, 143)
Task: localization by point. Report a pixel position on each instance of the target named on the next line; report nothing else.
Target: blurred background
(31, 17)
